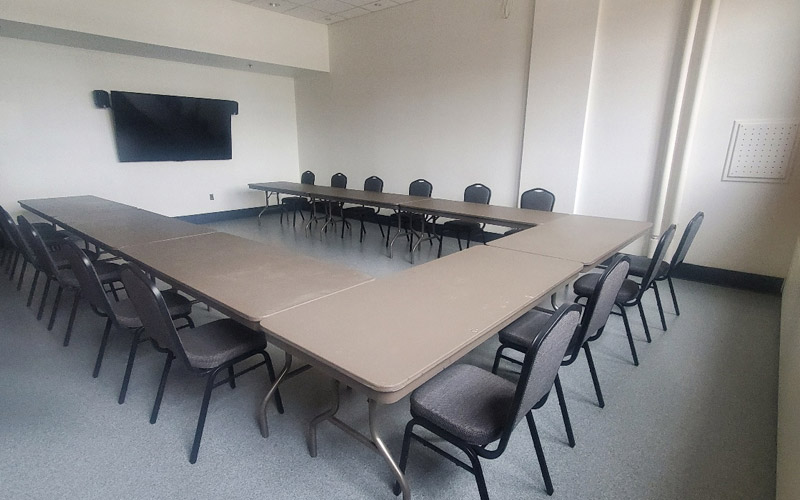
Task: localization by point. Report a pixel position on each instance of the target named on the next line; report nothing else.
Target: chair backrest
(658, 256)
(373, 183)
(420, 187)
(477, 193)
(540, 366)
(11, 231)
(152, 311)
(339, 180)
(537, 199)
(307, 177)
(599, 305)
(686, 240)
(43, 259)
(91, 287)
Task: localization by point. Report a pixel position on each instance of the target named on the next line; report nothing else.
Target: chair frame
(374, 184)
(475, 452)
(130, 272)
(479, 190)
(537, 194)
(297, 203)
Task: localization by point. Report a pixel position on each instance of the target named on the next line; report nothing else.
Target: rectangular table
(108, 224)
(449, 306)
(245, 279)
(478, 212)
(580, 238)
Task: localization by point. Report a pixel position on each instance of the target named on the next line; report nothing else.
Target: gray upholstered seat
(219, 342)
(585, 285)
(474, 193)
(466, 401)
(640, 263)
(522, 331)
(178, 305)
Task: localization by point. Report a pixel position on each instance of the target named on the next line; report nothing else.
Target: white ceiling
(324, 11)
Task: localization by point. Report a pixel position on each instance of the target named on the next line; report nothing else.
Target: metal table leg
(266, 206)
(262, 414)
(378, 442)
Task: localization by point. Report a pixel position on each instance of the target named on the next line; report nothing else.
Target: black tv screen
(151, 127)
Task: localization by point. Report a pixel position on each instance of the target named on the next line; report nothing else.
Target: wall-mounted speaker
(101, 99)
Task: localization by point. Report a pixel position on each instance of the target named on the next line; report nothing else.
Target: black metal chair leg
(102, 350)
(22, 274)
(33, 287)
(201, 421)
(72, 313)
(629, 333)
(129, 368)
(497, 356)
(404, 452)
(231, 377)
(660, 308)
(674, 297)
(439, 253)
(644, 321)
(14, 267)
(600, 402)
(44, 299)
(477, 471)
(548, 484)
(458, 237)
(161, 385)
(56, 302)
(564, 413)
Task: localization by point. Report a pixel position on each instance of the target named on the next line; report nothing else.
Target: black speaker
(101, 99)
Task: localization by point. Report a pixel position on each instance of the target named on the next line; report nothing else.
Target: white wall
(54, 142)
(753, 72)
(562, 53)
(220, 27)
(432, 88)
(788, 478)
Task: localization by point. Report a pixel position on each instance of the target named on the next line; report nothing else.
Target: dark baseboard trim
(227, 215)
(730, 279)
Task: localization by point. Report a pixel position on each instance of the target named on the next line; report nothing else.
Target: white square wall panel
(761, 151)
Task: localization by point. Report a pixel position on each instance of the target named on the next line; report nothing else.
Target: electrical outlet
(211, 197)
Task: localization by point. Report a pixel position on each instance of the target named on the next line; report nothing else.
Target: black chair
(120, 314)
(476, 193)
(331, 209)
(535, 199)
(45, 263)
(17, 247)
(362, 213)
(205, 351)
(640, 264)
(519, 334)
(472, 408)
(296, 204)
(406, 220)
(631, 293)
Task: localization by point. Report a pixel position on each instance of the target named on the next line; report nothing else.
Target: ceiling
(324, 11)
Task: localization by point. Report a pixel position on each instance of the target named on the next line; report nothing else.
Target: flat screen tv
(151, 127)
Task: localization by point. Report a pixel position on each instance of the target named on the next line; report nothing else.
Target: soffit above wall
(324, 11)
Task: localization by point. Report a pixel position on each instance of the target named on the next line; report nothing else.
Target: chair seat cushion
(585, 285)
(466, 401)
(461, 226)
(358, 212)
(295, 203)
(640, 263)
(108, 272)
(521, 333)
(218, 342)
(178, 306)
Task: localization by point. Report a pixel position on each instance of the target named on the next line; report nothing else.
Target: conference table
(449, 305)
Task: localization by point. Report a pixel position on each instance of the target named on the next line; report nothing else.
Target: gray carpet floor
(697, 419)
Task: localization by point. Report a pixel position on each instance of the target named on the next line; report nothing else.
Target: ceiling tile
(302, 2)
(306, 13)
(330, 6)
(358, 3)
(354, 12)
(376, 5)
(330, 19)
(275, 5)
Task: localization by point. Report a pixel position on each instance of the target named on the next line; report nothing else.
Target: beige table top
(371, 198)
(389, 336)
(493, 214)
(244, 279)
(109, 224)
(589, 240)
(74, 208)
